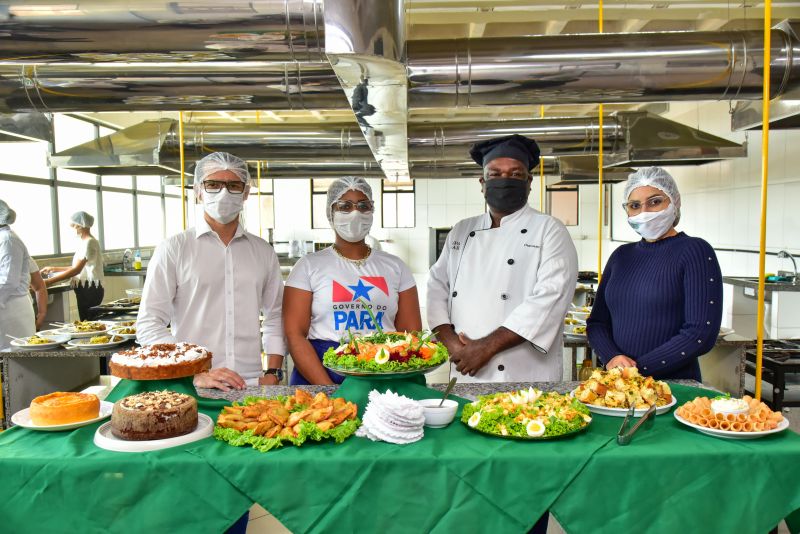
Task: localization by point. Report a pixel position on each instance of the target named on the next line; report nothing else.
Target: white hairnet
(7, 215)
(661, 180)
(219, 161)
(81, 218)
(341, 186)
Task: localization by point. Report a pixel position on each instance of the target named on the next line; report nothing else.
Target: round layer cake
(160, 362)
(61, 408)
(154, 415)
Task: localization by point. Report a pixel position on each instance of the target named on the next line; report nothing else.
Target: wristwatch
(278, 372)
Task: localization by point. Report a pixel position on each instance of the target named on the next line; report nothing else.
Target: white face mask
(353, 226)
(222, 206)
(653, 224)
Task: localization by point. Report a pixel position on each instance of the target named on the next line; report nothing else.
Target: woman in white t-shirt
(332, 292)
(86, 270)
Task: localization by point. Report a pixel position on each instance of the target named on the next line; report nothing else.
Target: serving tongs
(624, 436)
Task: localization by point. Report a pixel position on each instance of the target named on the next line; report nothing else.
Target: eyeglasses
(346, 206)
(652, 204)
(234, 187)
(517, 174)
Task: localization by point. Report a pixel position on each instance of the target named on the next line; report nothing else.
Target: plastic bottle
(137, 261)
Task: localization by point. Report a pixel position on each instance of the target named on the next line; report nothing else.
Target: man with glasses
(210, 283)
(498, 294)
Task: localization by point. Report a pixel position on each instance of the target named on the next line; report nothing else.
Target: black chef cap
(514, 146)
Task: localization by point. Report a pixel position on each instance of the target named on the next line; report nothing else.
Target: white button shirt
(15, 266)
(212, 295)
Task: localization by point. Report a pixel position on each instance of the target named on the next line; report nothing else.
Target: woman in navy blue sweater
(659, 304)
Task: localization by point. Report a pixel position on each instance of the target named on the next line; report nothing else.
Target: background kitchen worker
(18, 271)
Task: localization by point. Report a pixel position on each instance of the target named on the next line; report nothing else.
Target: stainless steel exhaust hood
(25, 127)
(630, 138)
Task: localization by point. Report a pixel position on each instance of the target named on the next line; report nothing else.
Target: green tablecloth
(669, 478)
(62, 482)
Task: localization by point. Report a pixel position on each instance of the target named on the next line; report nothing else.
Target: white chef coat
(16, 309)
(521, 276)
(212, 295)
(92, 272)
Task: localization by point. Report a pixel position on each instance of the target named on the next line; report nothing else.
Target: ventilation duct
(93, 31)
(168, 86)
(784, 110)
(625, 67)
(630, 138)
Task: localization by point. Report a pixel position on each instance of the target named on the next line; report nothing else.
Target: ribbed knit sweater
(660, 304)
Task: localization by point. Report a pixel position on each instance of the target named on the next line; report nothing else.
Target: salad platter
(386, 355)
(527, 414)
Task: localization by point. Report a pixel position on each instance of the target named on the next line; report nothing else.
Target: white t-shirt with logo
(344, 294)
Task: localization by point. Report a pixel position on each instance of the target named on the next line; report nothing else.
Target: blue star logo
(361, 290)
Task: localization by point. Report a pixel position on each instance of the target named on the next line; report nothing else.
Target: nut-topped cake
(154, 415)
(159, 362)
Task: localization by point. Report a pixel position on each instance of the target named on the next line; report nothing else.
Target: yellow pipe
(183, 169)
(541, 171)
(764, 181)
(258, 182)
(600, 168)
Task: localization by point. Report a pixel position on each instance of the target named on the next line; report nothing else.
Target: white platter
(729, 434)
(622, 412)
(127, 337)
(58, 340)
(105, 439)
(79, 335)
(22, 418)
(85, 345)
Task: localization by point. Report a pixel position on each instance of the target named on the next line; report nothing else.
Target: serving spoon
(447, 390)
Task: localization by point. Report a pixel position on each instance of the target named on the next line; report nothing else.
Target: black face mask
(506, 195)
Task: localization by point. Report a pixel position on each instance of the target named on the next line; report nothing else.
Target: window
(397, 204)
(257, 221)
(70, 132)
(118, 220)
(70, 200)
(173, 215)
(563, 204)
(34, 224)
(24, 159)
(120, 182)
(150, 220)
(149, 183)
(319, 199)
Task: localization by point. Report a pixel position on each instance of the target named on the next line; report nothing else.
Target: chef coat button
(472, 234)
(504, 296)
(511, 261)
(524, 231)
(455, 293)
(501, 367)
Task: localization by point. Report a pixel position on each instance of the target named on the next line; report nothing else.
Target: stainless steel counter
(752, 283)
